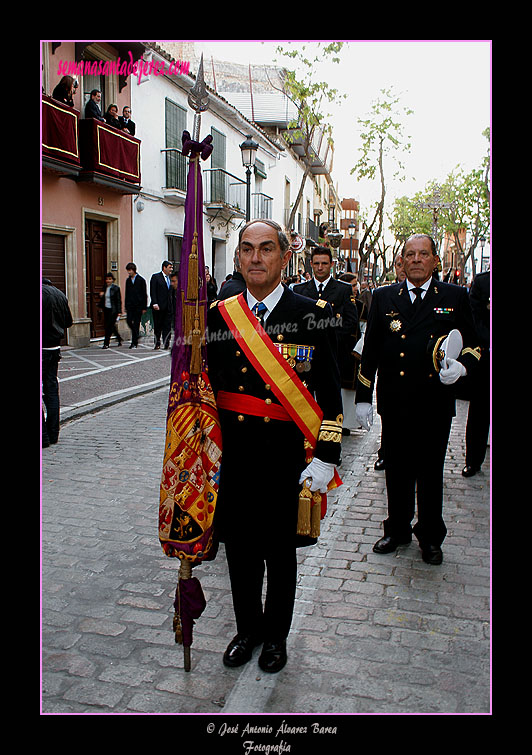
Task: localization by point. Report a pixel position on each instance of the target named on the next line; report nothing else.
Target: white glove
(359, 346)
(321, 473)
(364, 414)
(453, 372)
(451, 347)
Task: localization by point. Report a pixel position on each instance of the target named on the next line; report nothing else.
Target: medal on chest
(395, 325)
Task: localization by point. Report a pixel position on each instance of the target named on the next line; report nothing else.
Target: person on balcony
(126, 124)
(64, 91)
(111, 116)
(92, 108)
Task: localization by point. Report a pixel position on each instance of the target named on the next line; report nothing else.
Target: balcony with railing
(109, 156)
(224, 193)
(262, 206)
(311, 231)
(176, 169)
(60, 137)
(88, 150)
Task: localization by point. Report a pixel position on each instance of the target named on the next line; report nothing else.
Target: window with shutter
(176, 164)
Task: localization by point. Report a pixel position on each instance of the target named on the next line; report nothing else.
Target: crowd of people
(415, 345)
(65, 90)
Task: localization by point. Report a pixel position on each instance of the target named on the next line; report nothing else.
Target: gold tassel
(315, 515)
(303, 512)
(195, 357)
(192, 283)
(177, 629)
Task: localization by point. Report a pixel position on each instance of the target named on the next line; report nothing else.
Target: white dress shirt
(270, 301)
(411, 286)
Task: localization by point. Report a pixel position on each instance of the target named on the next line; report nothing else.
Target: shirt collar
(425, 286)
(319, 283)
(270, 301)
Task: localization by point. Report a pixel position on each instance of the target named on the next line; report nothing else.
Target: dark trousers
(50, 393)
(478, 416)
(162, 326)
(415, 456)
(246, 572)
(134, 316)
(109, 318)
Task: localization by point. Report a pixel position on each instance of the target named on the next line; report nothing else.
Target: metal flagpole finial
(198, 99)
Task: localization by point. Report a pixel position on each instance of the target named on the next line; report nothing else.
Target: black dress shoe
(468, 471)
(379, 465)
(389, 544)
(240, 650)
(431, 554)
(273, 657)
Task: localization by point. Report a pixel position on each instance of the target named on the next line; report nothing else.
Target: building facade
(90, 173)
(109, 198)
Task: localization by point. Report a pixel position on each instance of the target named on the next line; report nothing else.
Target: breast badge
(395, 326)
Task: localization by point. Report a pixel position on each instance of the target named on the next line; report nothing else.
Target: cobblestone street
(372, 633)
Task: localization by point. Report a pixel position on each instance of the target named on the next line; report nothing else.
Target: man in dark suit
(160, 303)
(92, 108)
(405, 339)
(111, 303)
(136, 301)
(341, 298)
(125, 121)
(236, 284)
(478, 416)
(56, 318)
(264, 459)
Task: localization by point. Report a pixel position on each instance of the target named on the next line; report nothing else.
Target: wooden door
(53, 263)
(96, 260)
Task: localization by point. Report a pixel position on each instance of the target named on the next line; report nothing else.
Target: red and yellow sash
(272, 367)
(296, 400)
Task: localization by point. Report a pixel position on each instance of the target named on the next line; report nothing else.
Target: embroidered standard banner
(191, 463)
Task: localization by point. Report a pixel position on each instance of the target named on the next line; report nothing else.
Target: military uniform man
(266, 369)
(407, 327)
(341, 298)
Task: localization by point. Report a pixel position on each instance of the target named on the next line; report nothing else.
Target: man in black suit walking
(341, 298)
(160, 303)
(111, 303)
(136, 301)
(478, 416)
(405, 341)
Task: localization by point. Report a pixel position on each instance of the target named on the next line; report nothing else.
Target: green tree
(383, 141)
(310, 97)
(468, 193)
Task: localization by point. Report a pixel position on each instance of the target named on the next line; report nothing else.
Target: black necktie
(417, 301)
(320, 290)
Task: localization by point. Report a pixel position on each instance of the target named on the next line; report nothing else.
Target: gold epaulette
(321, 303)
(331, 430)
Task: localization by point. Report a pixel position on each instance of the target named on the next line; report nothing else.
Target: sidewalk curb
(94, 405)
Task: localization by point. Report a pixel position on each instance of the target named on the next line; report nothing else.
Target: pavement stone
(371, 633)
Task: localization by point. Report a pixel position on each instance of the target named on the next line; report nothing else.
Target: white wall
(158, 216)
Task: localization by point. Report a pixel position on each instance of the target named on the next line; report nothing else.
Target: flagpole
(193, 440)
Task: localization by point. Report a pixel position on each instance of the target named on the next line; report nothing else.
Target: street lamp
(482, 240)
(249, 152)
(351, 229)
